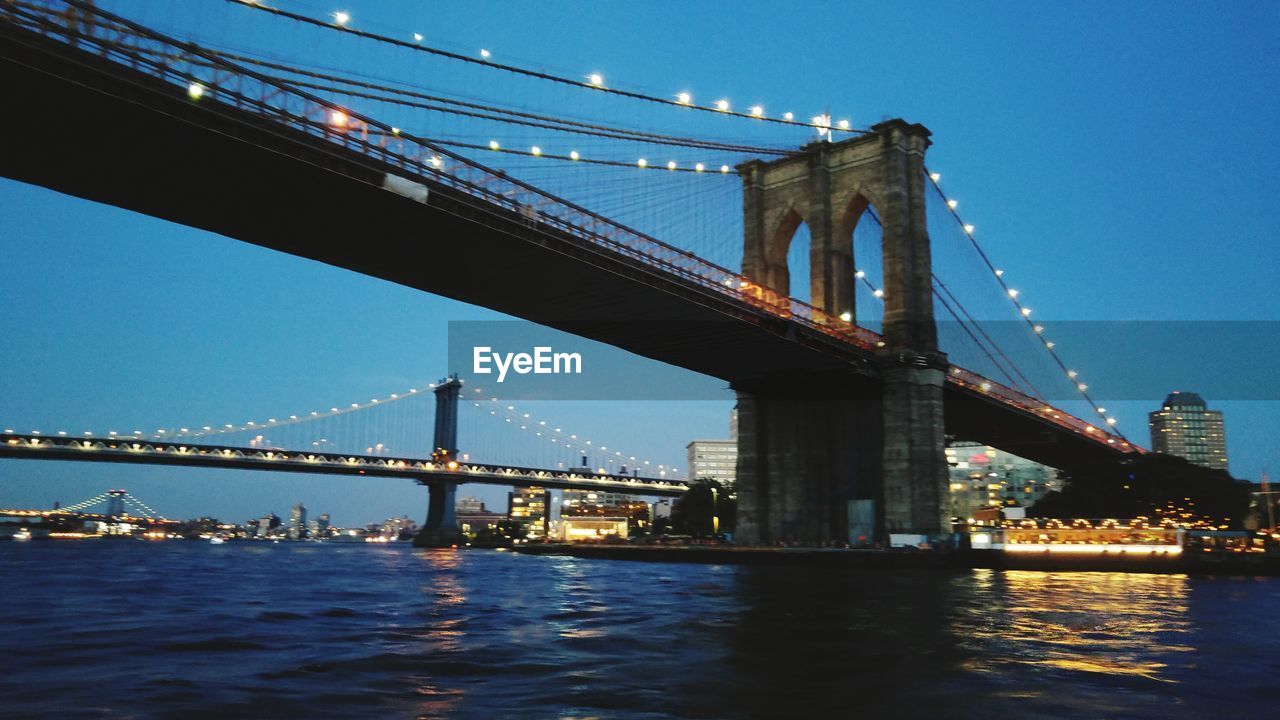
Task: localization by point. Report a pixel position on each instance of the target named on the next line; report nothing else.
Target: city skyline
(204, 325)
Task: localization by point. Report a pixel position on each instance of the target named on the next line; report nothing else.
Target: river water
(128, 629)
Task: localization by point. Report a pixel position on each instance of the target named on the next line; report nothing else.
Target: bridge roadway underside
(82, 126)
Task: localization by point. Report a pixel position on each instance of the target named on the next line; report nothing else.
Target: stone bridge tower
(811, 448)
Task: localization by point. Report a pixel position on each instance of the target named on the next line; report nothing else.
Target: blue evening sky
(1118, 159)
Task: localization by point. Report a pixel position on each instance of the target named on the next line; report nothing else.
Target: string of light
(340, 21)
(1023, 311)
(555, 435)
(878, 293)
(489, 112)
(269, 423)
(573, 156)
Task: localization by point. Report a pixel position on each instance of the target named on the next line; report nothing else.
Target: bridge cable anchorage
(489, 112)
(679, 100)
(1025, 312)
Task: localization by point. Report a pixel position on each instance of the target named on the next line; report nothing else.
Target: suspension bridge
(268, 446)
(848, 387)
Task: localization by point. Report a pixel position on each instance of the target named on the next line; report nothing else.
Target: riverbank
(909, 560)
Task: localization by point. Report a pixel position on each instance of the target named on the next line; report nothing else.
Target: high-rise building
(529, 506)
(1185, 426)
(267, 523)
(984, 477)
(715, 459)
(298, 522)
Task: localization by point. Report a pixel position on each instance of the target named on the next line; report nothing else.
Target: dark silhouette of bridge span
(839, 426)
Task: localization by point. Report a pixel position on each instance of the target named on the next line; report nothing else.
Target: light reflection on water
(111, 629)
(1103, 623)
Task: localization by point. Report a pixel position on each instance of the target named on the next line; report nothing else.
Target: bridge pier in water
(812, 450)
(440, 529)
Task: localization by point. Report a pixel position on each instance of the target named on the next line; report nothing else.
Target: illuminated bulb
(843, 124)
(1039, 328)
(642, 162)
(1026, 312)
(859, 274)
(1072, 374)
(1101, 410)
(1050, 344)
(699, 167)
(757, 110)
(417, 37)
(724, 168)
(195, 91)
(969, 229)
(684, 98)
(573, 155)
(436, 161)
(999, 273)
(493, 145)
(722, 105)
(1082, 387)
(338, 118)
(341, 17)
(985, 386)
(878, 293)
(935, 176)
(952, 204)
(846, 316)
(535, 150)
(671, 164)
(596, 79)
(395, 131)
(485, 53)
(1013, 293)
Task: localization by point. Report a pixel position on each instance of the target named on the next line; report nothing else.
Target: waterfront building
(529, 507)
(401, 528)
(473, 522)
(592, 528)
(298, 522)
(320, 527)
(1185, 426)
(984, 477)
(590, 503)
(266, 524)
(473, 516)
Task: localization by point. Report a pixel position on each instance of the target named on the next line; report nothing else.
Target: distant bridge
(149, 452)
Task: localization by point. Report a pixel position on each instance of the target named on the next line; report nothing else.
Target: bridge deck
(143, 452)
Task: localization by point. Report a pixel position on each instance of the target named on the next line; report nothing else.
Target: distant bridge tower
(115, 503)
(441, 526)
(810, 448)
